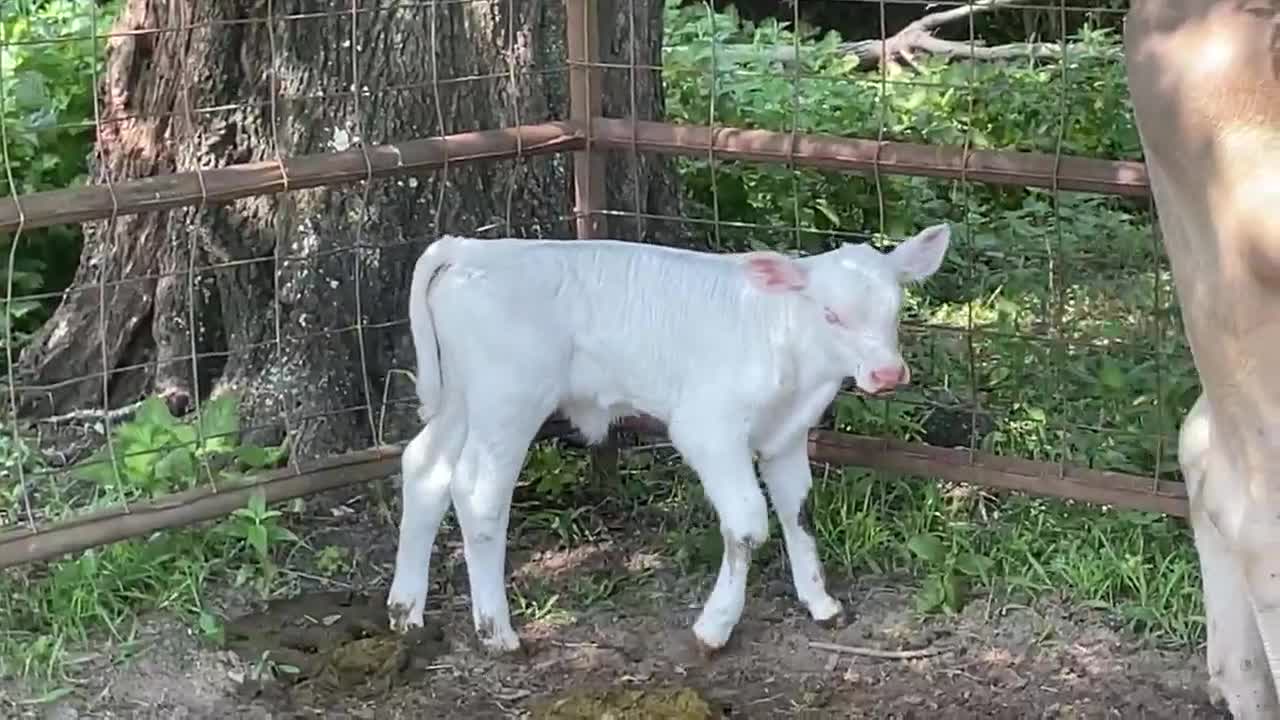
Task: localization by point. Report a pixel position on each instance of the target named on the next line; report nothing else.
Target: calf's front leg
(788, 477)
(722, 460)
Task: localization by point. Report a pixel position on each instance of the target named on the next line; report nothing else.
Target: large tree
(272, 309)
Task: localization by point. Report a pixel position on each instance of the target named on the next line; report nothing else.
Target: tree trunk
(282, 282)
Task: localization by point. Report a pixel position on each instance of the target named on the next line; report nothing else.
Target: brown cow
(1205, 82)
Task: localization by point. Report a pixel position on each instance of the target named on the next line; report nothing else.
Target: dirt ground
(613, 616)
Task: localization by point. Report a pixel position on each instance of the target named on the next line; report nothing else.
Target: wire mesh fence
(233, 318)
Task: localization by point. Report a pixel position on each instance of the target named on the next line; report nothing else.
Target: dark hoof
(835, 622)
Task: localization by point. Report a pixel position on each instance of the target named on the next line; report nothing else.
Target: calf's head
(855, 293)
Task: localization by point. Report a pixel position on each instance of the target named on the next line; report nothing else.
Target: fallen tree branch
(906, 44)
(871, 53)
(94, 414)
(916, 38)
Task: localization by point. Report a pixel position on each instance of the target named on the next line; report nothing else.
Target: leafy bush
(155, 453)
(44, 607)
(1053, 320)
(47, 70)
(1023, 261)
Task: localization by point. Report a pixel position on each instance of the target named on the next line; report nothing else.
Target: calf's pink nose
(890, 376)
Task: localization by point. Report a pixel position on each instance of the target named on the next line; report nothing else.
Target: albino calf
(736, 354)
(1205, 83)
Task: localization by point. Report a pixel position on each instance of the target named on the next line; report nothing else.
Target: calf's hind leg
(426, 469)
(487, 470)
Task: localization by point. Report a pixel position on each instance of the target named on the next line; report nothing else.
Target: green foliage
(48, 65)
(44, 607)
(551, 477)
(1023, 260)
(1138, 567)
(259, 529)
(155, 453)
(1053, 318)
(945, 585)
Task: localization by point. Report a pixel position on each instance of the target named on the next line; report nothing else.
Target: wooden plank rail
(23, 545)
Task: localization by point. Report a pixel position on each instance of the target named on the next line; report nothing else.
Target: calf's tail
(429, 379)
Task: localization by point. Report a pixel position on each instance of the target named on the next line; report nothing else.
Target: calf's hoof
(497, 640)
(709, 644)
(403, 618)
(700, 652)
(835, 622)
(1217, 698)
(827, 613)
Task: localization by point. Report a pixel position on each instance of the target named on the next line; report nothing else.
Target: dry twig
(877, 653)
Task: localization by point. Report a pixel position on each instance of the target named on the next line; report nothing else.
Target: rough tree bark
(203, 97)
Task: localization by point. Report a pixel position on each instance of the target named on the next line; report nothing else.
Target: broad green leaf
(256, 535)
(220, 417)
(177, 464)
(928, 548)
(30, 90)
(154, 412)
(210, 626)
(976, 565)
(135, 436)
(1111, 376)
(257, 504)
(259, 457)
(97, 469)
(185, 435)
(932, 595)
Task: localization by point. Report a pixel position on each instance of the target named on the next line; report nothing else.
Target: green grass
(1054, 316)
(48, 608)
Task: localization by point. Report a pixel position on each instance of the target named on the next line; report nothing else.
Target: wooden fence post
(586, 101)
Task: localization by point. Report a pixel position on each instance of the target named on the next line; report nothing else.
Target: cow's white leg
(788, 478)
(1255, 553)
(1263, 590)
(722, 461)
(427, 467)
(1238, 668)
(486, 476)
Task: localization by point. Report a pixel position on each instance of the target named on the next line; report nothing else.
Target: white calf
(736, 354)
(1205, 83)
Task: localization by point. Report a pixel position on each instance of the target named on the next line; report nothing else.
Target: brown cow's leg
(1205, 84)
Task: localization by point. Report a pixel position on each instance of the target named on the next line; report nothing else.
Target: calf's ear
(775, 273)
(921, 255)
